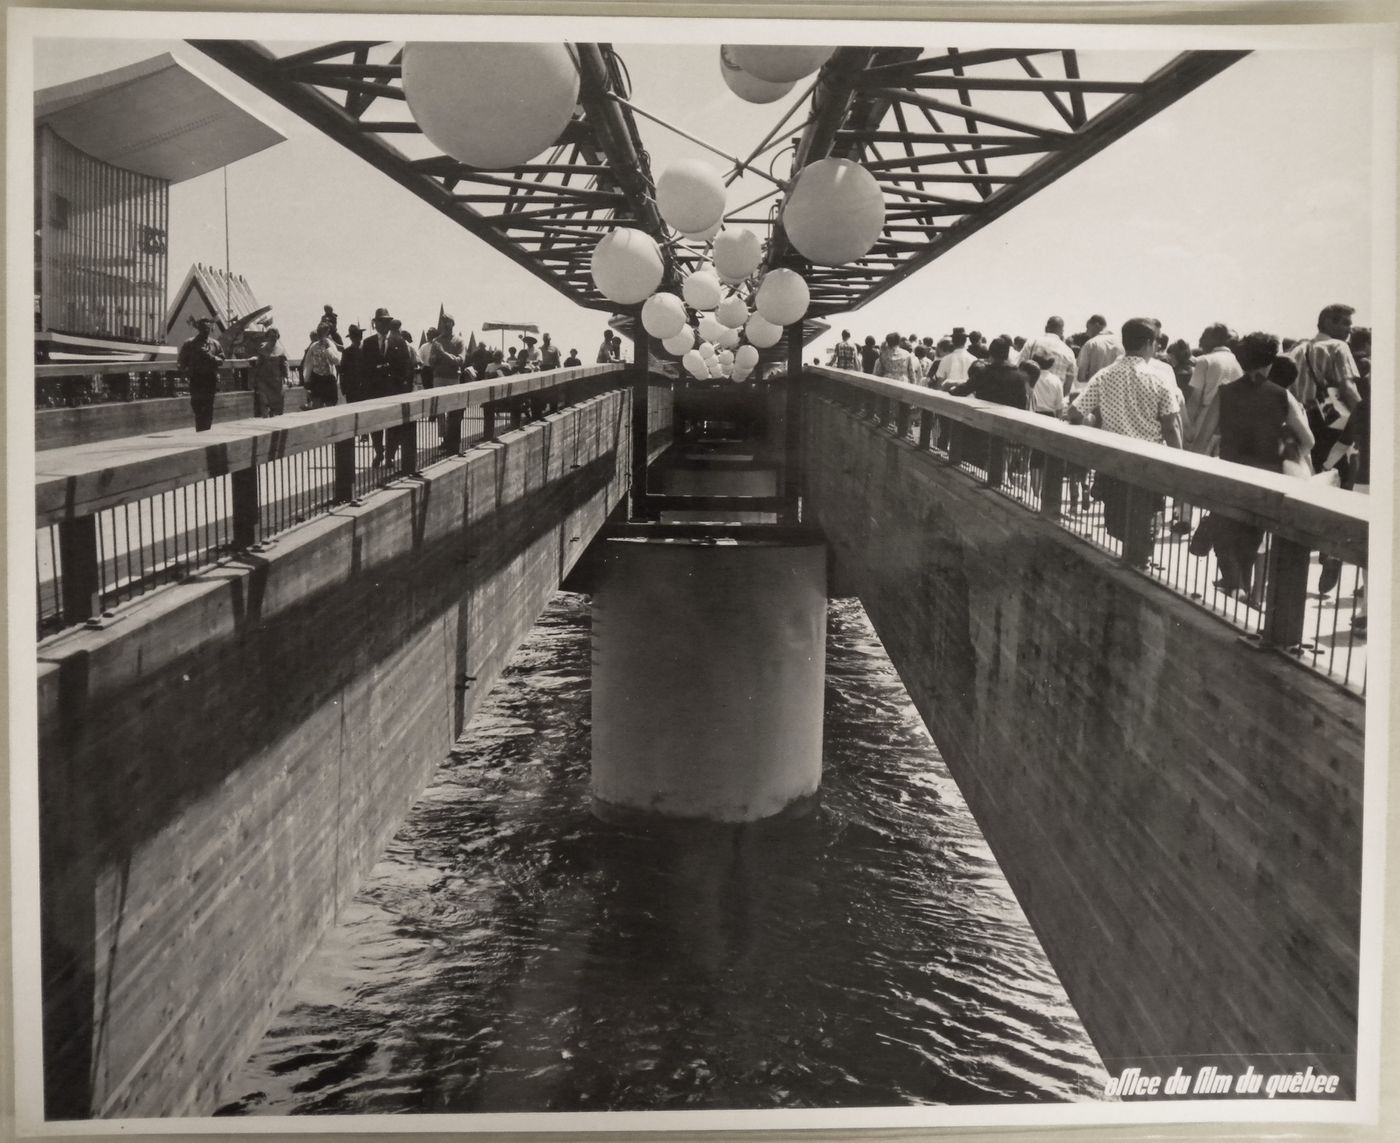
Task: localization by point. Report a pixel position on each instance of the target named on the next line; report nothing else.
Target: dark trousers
(202, 402)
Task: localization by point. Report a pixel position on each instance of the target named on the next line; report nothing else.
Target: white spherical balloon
(702, 290)
(627, 266)
(748, 87)
(761, 332)
(704, 235)
(739, 375)
(775, 63)
(690, 195)
(725, 357)
(782, 297)
(693, 362)
(490, 105)
(710, 327)
(663, 315)
(732, 312)
(745, 358)
(680, 342)
(834, 212)
(737, 252)
(729, 339)
(706, 349)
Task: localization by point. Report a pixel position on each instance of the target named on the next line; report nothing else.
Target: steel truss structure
(955, 138)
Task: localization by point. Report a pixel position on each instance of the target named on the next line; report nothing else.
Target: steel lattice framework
(956, 139)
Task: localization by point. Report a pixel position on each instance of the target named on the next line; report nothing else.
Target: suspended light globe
(710, 327)
(694, 364)
(733, 312)
(490, 105)
(627, 266)
(834, 212)
(761, 332)
(701, 290)
(725, 357)
(663, 315)
(747, 87)
(775, 63)
(704, 235)
(729, 339)
(681, 342)
(745, 358)
(782, 297)
(690, 195)
(706, 350)
(737, 253)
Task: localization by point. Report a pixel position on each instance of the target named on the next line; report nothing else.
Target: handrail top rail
(1306, 511)
(79, 480)
(107, 368)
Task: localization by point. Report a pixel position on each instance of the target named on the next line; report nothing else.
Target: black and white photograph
(853, 592)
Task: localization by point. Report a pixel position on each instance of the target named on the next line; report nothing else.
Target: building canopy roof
(156, 117)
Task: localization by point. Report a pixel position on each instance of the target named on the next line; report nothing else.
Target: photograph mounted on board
(915, 667)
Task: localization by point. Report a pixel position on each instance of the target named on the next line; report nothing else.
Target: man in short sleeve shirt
(1136, 397)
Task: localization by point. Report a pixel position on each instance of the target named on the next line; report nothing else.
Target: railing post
(1285, 608)
(454, 431)
(996, 460)
(81, 575)
(1052, 483)
(903, 417)
(926, 419)
(345, 470)
(488, 421)
(792, 427)
(1140, 507)
(244, 484)
(408, 448)
(641, 398)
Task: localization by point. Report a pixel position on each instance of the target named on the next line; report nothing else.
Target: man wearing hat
(385, 363)
(954, 367)
(200, 358)
(352, 382)
(528, 359)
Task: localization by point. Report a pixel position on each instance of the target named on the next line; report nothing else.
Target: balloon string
(699, 142)
(740, 168)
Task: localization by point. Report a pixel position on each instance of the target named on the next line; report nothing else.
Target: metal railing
(73, 384)
(116, 519)
(1283, 560)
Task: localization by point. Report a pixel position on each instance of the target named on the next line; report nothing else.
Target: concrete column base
(708, 678)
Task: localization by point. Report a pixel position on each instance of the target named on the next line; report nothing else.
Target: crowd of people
(1299, 406)
(360, 364)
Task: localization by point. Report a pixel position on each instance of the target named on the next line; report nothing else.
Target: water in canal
(510, 953)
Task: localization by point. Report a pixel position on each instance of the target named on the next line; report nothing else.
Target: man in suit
(386, 368)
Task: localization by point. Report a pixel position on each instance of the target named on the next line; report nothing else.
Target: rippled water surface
(510, 953)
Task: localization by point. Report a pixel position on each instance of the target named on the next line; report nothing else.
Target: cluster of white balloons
(727, 334)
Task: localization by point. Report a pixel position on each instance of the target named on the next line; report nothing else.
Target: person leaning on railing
(1135, 397)
(1257, 424)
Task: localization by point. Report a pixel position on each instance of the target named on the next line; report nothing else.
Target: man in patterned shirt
(1136, 397)
(843, 354)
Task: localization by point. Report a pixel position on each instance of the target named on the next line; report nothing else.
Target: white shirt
(1057, 349)
(1099, 352)
(954, 367)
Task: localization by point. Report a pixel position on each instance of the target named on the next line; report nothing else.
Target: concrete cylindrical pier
(708, 677)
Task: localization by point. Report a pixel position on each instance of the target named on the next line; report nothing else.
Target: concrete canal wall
(1178, 813)
(221, 766)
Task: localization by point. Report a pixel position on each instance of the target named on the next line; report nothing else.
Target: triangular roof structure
(156, 118)
(209, 291)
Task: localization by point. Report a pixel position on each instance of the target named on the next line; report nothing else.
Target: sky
(1248, 201)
